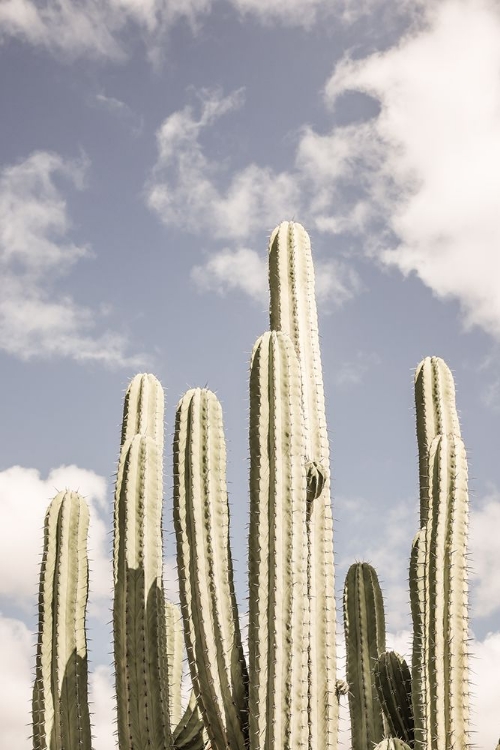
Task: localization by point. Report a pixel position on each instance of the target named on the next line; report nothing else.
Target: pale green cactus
(393, 683)
(364, 626)
(60, 703)
(287, 697)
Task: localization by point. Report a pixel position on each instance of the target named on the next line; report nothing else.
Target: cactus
(60, 704)
(364, 624)
(287, 697)
(438, 570)
(393, 684)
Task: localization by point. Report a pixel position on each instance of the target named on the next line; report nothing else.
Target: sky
(147, 150)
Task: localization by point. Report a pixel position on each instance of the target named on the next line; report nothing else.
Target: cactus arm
(208, 602)
(60, 693)
(436, 415)
(364, 625)
(293, 311)
(277, 549)
(393, 684)
(190, 732)
(139, 606)
(175, 642)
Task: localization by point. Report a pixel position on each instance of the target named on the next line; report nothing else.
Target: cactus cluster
(286, 697)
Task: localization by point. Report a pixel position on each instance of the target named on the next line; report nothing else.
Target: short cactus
(364, 625)
(287, 697)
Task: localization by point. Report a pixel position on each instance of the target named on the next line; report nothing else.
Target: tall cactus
(293, 311)
(286, 698)
(60, 704)
(208, 601)
(278, 616)
(438, 569)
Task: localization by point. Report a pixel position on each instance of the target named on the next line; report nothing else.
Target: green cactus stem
(277, 550)
(208, 602)
(139, 620)
(293, 311)
(364, 625)
(436, 414)
(445, 691)
(393, 683)
(60, 692)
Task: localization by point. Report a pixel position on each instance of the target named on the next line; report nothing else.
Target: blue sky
(147, 150)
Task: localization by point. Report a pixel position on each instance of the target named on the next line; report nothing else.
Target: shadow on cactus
(287, 696)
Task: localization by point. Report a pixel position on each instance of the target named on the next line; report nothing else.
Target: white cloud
(24, 498)
(246, 271)
(34, 252)
(16, 659)
(352, 372)
(485, 680)
(429, 163)
(484, 526)
(95, 29)
(102, 708)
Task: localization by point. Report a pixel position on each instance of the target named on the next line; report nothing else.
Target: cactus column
(438, 569)
(293, 311)
(60, 702)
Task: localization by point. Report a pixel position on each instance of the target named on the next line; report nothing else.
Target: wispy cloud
(184, 187)
(73, 29)
(119, 109)
(76, 28)
(35, 252)
(243, 270)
